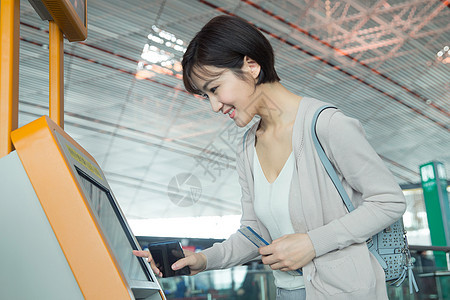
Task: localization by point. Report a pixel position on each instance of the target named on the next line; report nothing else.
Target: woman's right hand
(195, 261)
(146, 254)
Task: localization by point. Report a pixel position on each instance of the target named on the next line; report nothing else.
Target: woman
(287, 196)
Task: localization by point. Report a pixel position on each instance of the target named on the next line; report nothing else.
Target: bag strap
(326, 162)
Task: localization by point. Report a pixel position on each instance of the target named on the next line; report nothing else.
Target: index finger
(146, 254)
(142, 253)
(266, 250)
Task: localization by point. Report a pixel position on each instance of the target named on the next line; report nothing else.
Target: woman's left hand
(289, 252)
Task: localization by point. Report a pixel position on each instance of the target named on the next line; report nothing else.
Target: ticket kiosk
(62, 232)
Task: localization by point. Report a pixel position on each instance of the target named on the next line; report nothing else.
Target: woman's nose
(215, 105)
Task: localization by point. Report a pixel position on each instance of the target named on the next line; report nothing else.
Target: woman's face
(230, 94)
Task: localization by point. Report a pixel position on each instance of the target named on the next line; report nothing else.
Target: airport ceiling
(166, 154)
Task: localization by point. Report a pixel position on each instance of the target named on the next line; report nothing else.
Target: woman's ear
(252, 66)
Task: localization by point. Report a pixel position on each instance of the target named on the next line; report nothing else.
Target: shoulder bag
(389, 246)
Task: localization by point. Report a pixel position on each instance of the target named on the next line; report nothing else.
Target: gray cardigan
(343, 268)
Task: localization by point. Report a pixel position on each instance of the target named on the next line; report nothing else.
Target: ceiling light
(162, 60)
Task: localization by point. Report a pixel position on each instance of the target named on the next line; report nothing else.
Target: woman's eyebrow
(205, 86)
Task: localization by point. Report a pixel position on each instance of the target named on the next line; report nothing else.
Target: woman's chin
(241, 123)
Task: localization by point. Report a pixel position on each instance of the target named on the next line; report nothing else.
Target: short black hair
(223, 43)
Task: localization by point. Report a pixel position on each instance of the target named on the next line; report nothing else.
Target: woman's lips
(232, 113)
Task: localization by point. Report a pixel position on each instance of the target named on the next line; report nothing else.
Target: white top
(272, 209)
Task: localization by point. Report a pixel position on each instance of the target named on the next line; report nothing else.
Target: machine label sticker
(79, 158)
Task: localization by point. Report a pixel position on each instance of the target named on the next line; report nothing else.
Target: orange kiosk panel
(83, 215)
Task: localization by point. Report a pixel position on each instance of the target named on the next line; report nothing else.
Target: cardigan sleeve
(352, 156)
(236, 249)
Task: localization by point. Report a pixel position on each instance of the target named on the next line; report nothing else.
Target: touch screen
(115, 229)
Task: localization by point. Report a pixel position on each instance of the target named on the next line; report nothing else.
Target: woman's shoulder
(310, 103)
(307, 109)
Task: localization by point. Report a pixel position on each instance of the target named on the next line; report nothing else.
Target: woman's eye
(213, 90)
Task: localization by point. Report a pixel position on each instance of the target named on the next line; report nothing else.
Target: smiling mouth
(231, 112)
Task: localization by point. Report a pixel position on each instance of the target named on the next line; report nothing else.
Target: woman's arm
(383, 203)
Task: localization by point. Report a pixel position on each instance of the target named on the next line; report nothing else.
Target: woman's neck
(276, 106)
